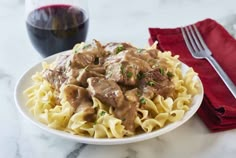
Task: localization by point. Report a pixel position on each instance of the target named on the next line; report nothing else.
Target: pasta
(90, 116)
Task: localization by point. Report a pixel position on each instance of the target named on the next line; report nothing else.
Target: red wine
(56, 28)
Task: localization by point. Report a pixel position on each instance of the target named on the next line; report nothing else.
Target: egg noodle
(153, 115)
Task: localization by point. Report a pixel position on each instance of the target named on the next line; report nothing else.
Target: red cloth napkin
(218, 110)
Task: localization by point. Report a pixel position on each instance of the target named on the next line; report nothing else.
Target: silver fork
(199, 50)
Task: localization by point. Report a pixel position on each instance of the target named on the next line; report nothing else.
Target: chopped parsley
(86, 46)
(142, 101)
(138, 94)
(129, 74)
(161, 70)
(123, 119)
(122, 69)
(140, 75)
(102, 113)
(151, 83)
(170, 74)
(140, 50)
(119, 49)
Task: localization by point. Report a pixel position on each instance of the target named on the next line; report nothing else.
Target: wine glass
(56, 25)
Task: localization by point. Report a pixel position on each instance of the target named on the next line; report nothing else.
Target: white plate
(25, 81)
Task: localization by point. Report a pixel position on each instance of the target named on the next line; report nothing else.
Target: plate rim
(100, 141)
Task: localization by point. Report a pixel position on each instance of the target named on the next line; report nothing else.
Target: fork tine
(186, 40)
(200, 37)
(191, 39)
(196, 39)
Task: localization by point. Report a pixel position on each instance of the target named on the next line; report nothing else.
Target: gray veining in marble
(76, 152)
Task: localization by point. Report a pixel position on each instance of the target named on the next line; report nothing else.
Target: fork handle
(228, 82)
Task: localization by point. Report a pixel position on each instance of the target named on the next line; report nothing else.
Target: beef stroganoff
(111, 91)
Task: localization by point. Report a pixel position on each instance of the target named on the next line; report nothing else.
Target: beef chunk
(55, 77)
(87, 73)
(86, 55)
(72, 74)
(81, 60)
(125, 67)
(75, 95)
(61, 63)
(130, 116)
(151, 53)
(123, 72)
(130, 57)
(158, 81)
(149, 92)
(80, 76)
(94, 48)
(115, 48)
(107, 91)
(132, 95)
(114, 72)
(127, 113)
(78, 97)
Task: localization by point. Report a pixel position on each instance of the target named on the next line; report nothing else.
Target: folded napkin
(218, 109)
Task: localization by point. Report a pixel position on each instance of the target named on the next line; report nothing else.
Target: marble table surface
(123, 20)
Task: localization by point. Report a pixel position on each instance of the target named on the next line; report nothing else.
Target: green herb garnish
(138, 94)
(86, 46)
(122, 69)
(140, 50)
(170, 74)
(142, 101)
(140, 75)
(151, 83)
(129, 74)
(123, 119)
(161, 70)
(102, 113)
(119, 49)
